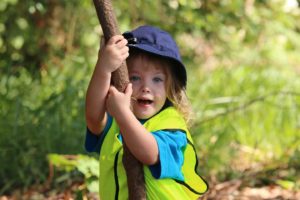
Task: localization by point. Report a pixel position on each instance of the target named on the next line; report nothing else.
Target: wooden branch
(134, 169)
(109, 26)
(246, 105)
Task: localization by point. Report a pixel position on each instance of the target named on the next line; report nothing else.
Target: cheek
(162, 93)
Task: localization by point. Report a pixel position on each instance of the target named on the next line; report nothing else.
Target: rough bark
(134, 169)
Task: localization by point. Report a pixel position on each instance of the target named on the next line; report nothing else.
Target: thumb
(112, 89)
(128, 90)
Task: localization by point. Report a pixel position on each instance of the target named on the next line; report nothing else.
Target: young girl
(150, 117)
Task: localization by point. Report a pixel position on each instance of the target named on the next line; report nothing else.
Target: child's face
(149, 87)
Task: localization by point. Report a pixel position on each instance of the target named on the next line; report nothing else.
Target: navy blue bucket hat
(158, 42)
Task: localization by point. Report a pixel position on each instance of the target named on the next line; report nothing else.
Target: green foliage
(254, 118)
(243, 65)
(34, 32)
(43, 80)
(40, 116)
(87, 166)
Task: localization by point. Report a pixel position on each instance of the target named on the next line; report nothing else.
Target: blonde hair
(176, 92)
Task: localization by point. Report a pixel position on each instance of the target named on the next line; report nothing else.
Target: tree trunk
(134, 169)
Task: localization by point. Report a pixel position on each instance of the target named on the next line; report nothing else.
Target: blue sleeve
(93, 142)
(171, 145)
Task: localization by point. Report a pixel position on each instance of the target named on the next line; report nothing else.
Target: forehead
(145, 63)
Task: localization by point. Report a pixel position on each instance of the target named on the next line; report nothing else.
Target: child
(150, 117)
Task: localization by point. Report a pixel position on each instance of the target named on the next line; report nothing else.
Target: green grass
(245, 117)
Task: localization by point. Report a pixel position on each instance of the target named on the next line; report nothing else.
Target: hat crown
(156, 38)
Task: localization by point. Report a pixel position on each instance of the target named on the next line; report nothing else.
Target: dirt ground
(233, 190)
(230, 190)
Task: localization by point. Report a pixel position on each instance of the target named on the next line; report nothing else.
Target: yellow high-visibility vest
(113, 180)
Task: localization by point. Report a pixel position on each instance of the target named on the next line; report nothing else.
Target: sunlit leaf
(286, 184)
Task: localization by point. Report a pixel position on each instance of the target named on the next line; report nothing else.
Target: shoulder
(168, 118)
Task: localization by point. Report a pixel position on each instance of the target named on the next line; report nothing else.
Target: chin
(144, 115)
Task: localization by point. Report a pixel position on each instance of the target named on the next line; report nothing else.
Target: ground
(230, 190)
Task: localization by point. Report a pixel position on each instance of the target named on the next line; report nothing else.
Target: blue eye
(134, 78)
(157, 79)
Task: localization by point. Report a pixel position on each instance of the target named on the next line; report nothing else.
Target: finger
(112, 89)
(125, 56)
(124, 50)
(121, 43)
(115, 39)
(128, 90)
(110, 92)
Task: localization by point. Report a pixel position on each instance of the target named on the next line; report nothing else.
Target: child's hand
(117, 103)
(112, 55)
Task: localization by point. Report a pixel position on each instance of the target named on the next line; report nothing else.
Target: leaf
(88, 166)
(93, 186)
(62, 162)
(286, 184)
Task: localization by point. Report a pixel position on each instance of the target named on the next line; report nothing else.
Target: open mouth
(144, 101)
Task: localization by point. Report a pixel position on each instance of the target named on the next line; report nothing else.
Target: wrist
(102, 65)
(124, 115)
(100, 71)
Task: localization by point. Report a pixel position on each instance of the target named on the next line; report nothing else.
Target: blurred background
(243, 68)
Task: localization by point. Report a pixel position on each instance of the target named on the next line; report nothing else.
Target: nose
(145, 87)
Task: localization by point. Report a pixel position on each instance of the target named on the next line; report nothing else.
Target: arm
(110, 58)
(171, 146)
(140, 142)
(94, 142)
